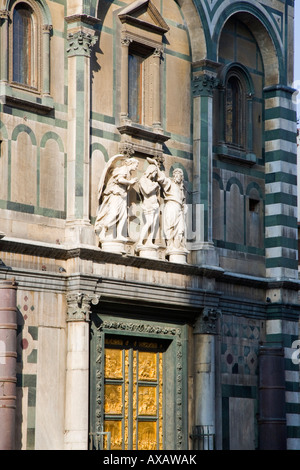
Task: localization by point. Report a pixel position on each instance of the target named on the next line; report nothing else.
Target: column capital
(125, 41)
(47, 28)
(4, 14)
(204, 84)
(207, 321)
(80, 43)
(79, 305)
(158, 51)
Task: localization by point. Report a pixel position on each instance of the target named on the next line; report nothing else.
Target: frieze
(139, 328)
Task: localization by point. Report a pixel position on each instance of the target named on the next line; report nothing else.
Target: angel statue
(114, 184)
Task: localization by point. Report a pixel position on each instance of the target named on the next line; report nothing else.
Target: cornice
(90, 253)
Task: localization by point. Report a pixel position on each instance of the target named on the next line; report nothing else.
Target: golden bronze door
(133, 394)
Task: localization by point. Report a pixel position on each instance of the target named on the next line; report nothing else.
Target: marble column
(204, 375)
(8, 361)
(77, 373)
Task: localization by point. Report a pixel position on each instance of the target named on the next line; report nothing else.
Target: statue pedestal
(177, 256)
(149, 252)
(113, 246)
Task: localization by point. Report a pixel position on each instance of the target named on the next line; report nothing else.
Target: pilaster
(281, 183)
(81, 39)
(4, 19)
(203, 85)
(125, 43)
(156, 88)
(205, 330)
(46, 58)
(77, 374)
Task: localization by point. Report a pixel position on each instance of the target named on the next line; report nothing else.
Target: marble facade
(142, 213)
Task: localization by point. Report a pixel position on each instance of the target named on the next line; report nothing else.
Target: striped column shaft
(286, 333)
(203, 87)
(281, 183)
(81, 39)
(8, 360)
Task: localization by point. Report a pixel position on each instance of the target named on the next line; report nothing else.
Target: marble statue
(116, 180)
(175, 210)
(149, 190)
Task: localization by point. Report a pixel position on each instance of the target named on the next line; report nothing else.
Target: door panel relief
(133, 394)
(138, 385)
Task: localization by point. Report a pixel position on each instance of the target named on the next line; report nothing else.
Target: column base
(179, 256)
(113, 246)
(150, 252)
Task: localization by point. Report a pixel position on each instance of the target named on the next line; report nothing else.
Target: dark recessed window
(253, 205)
(234, 111)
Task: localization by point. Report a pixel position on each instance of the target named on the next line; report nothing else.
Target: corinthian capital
(79, 306)
(4, 14)
(203, 85)
(80, 43)
(207, 321)
(125, 41)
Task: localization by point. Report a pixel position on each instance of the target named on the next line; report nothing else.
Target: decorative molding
(44, 106)
(130, 15)
(207, 321)
(139, 328)
(152, 141)
(80, 43)
(85, 19)
(146, 134)
(79, 306)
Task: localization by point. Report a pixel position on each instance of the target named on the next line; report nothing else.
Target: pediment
(145, 14)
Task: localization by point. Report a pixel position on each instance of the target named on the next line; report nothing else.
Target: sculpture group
(154, 187)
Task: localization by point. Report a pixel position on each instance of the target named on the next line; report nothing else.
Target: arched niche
(265, 35)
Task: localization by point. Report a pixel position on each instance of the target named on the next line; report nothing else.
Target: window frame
(238, 118)
(240, 149)
(36, 84)
(136, 116)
